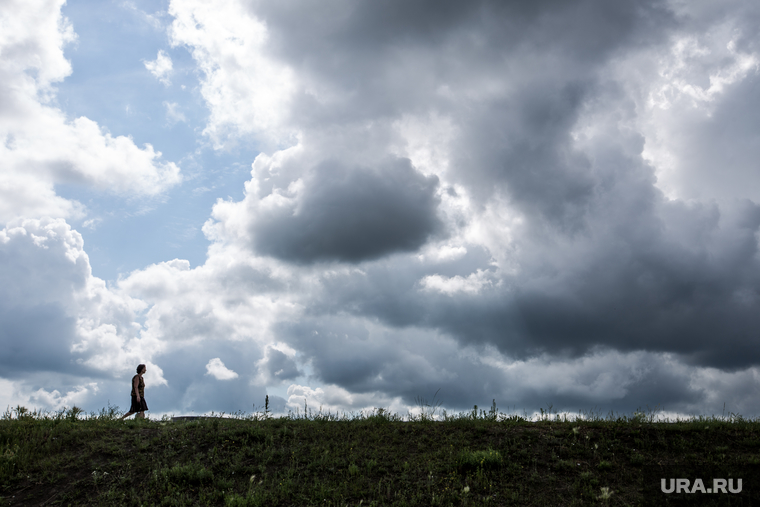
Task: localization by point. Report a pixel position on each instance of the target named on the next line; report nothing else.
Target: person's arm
(136, 385)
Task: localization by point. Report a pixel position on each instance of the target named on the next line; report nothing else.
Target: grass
(473, 458)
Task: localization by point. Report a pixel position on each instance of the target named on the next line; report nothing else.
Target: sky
(354, 205)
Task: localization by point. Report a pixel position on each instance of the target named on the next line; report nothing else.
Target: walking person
(138, 395)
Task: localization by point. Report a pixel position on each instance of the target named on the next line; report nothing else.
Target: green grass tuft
(473, 460)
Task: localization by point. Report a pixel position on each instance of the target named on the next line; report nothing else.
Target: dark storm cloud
(35, 339)
(403, 363)
(689, 285)
(413, 364)
(279, 366)
(302, 30)
(582, 284)
(353, 214)
(522, 146)
(31, 272)
(390, 58)
(603, 258)
(38, 280)
(661, 387)
(543, 59)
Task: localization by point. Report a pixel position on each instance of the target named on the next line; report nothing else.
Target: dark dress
(141, 406)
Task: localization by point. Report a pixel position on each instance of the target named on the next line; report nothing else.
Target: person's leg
(140, 415)
(126, 415)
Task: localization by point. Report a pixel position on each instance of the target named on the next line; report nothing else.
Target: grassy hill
(477, 458)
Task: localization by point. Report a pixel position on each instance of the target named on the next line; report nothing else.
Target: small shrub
(380, 416)
(8, 458)
(73, 413)
(193, 474)
(471, 460)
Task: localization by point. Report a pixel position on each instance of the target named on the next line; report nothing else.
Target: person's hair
(140, 367)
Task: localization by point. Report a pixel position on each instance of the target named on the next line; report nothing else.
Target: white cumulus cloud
(248, 91)
(161, 67)
(216, 369)
(39, 146)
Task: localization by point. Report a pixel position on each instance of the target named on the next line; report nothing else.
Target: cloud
(550, 232)
(62, 328)
(471, 284)
(173, 114)
(684, 94)
(335, 400)
(154, 20)
(57, 401)
(278, 366)
(346, 214)
(56, 316)
(41, 147)
(537, 203)
(247, 91)
(216, 369)
(161, 67)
